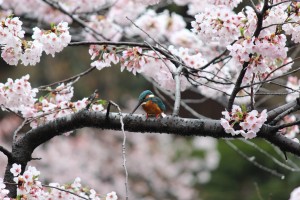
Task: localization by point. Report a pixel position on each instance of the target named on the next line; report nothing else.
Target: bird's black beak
(140, 102)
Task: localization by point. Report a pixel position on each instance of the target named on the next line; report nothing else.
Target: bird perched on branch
(151, 104)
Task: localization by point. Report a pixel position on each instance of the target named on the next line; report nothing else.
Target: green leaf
(244, 108)
(41, 98)
(11, 16)
(242, 31)
(52, 25)
(101, 101)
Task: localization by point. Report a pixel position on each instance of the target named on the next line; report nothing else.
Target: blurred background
(160, 166)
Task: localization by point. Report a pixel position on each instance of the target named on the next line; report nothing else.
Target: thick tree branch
(282, 110)
(23, 148)
(139, 123)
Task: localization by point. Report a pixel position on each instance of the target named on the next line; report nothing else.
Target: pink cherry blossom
(111, 196)
(133, 60)
(17, 94)
(31, 188)
(16, 169)
(55, 40)
(217, 23)
(249, 122)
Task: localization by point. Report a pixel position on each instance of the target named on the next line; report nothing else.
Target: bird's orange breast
(151, 108)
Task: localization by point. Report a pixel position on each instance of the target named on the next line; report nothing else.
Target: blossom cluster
(15, 48)
(218, 24)
(151, 63)
(53, 40)
(57, 103)
(241, 122)
(29, 187)
(264, 53)
(19, 96)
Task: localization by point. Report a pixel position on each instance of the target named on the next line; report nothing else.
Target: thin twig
(251, 160)
(275, 160)
(73, 78)
(278, 127)
(258, 191)
(163, 60)
(67, 191)
(252, 93)
(91, 99)
(49, 186)
(177, 91)
(148, 35)
(131, 44)
(202, 100)
(279, 152)
(123, 145)
(286, 112)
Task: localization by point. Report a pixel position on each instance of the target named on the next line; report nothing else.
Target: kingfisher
(151, 104)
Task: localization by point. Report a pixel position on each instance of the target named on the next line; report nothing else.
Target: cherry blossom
(133, 60)
(14, 48)
(17, 94)
(104, 59)
(221, 25)
(16, 169)
(32, 53)
(239, 121)
(29, 187)
(3, 191)
(55, 40)
(111, 196)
